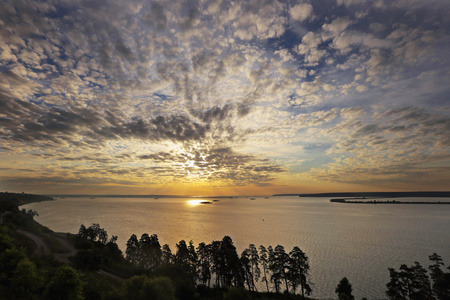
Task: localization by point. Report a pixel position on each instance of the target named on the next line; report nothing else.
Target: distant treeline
(374, 194)
(385, 202)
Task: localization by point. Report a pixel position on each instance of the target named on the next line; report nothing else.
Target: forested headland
(8, 199)
(36, 263)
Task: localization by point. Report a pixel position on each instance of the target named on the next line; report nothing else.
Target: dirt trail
(4, 214)
(41, 246)
(111, 275)
(71, 251)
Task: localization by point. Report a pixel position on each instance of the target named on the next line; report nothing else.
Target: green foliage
(143, 288)
(99, 286)
(65, 284)
(24, 219)
(237, 293)
(26, 280)
(54, 245)
(95, 249)
(88, 259)
(160, 288)
(6, 240)
(182, 279)
(7, 204)
(9, 259)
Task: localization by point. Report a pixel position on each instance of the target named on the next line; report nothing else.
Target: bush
(88, 259)
(237, 293)
(65, 284)
(181, 277)
(143, 287)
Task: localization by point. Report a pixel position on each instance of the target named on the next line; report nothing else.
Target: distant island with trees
(354, 201)
(37, 263)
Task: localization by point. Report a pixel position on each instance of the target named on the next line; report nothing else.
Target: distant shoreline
(385, 202)
(375, 194)
(133, 196)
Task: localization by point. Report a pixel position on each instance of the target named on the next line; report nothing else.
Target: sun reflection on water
(196, 202)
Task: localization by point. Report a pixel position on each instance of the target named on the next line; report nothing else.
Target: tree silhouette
(219, 260)
(264, 259)
(204, 259)
(193, 261)
(246, 268)
(441, 280)
(409, 283)
(150, 251)
(254, 263)
(94, 233)
(132, 251)
(344, 290)
(298, 271)
(167, 255)
(217, 263)
(275, 269)
(280, 265)
(231, 267)
(182, 255)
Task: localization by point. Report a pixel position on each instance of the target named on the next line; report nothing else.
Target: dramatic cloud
(237, 95)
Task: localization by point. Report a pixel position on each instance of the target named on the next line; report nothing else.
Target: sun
(195, 165)
(197, 202)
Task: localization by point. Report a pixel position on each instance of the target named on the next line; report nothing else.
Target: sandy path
(41, 246)
(4, 214)
(64, 257)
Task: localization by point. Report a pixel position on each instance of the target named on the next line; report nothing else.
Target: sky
(200, 97)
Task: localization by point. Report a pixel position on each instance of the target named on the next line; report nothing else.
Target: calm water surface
(354, 240)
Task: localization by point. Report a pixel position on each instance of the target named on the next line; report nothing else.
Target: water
(354, 240)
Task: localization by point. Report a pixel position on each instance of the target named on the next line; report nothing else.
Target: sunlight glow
(198, 202)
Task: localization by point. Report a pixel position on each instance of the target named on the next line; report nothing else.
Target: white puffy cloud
(301, 12)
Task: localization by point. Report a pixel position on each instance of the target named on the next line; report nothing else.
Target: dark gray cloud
(28, 122)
